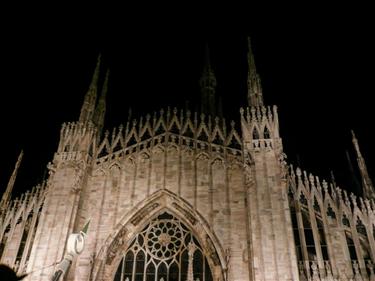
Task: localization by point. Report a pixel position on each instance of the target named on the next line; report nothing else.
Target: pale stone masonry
(186, 196)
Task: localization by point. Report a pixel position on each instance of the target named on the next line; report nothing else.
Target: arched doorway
(164, 250)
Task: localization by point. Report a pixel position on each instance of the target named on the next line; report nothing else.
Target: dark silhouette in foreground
(8, 274)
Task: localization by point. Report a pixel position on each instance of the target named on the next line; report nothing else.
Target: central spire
(100, 110)
(88, 107)
(254, 87)
(208, 87)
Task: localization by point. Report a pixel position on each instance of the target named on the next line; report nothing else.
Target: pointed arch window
(361, 229)
(266, 133)
(351, 246)
(309, 236)
(164, 250)
(322, 238)
(25, 234)
(363, 240)
(310, 244)
(345, 220)
(294, 219)
(255, 134)
(330, 212)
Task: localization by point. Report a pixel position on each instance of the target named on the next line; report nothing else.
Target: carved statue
(116, 244)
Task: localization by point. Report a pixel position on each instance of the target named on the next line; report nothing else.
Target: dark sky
(316, 64)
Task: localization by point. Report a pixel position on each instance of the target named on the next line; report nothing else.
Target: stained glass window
(160, 252)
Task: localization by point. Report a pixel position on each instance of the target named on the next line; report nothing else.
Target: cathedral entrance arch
(163, 239)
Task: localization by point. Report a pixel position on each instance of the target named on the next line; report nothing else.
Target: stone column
(191, 250)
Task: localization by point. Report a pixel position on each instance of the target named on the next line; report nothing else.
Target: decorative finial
(208, 86)
(367, 186)
(100, 110)
(5, 200)
(254, 87)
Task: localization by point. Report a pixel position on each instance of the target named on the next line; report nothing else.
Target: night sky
(317, 65)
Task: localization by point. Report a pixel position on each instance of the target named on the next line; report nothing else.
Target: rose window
(164, 239)
(163, 251)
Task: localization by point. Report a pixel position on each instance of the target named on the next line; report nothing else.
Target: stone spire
(367, 187)
(254, 87)
(8, 192)
(208, 87)
(87, 110)
(99, 114)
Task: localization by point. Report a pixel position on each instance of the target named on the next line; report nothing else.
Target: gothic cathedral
(184, 196)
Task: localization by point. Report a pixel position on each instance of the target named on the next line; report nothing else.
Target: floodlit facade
(185, 196)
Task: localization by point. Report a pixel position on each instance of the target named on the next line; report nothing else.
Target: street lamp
(74, 247)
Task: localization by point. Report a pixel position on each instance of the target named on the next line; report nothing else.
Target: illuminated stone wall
(253, 216)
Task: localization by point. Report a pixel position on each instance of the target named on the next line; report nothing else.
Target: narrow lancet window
(255, 134)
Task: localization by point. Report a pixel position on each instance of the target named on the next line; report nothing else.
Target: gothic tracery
(165, 249)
